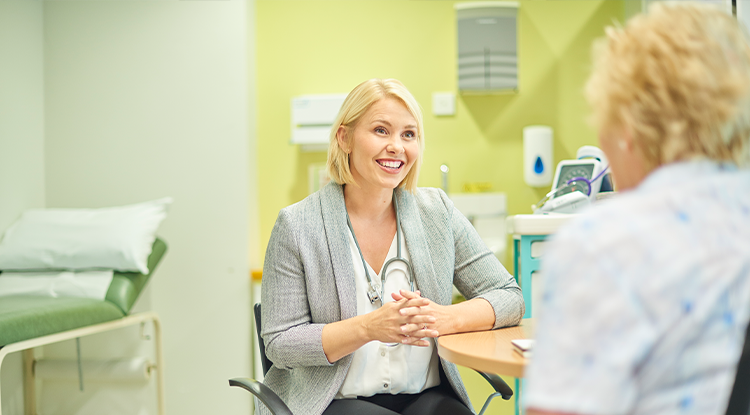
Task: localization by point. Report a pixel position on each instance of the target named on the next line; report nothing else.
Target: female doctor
(348, 329)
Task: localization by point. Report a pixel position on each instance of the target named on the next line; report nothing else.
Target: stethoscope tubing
(372, 292)
(588, 182)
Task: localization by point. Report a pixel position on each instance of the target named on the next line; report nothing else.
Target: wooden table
(487, 351)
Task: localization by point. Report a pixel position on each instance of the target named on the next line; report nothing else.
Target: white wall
(252, 77)
(146, 99)
(743, 13)
(21, 108)
(21, 139)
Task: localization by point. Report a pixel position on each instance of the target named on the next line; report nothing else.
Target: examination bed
(27, 322)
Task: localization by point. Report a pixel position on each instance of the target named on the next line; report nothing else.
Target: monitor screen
(571, 171)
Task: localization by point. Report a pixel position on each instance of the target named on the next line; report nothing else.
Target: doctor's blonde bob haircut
(677, 80)
(362, 97)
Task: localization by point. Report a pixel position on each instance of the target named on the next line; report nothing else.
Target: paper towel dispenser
(487, 46)
(312, 118)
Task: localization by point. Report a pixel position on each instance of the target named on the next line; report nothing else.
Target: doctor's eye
(380, 130)
(410, 135)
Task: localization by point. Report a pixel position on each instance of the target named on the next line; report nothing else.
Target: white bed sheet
(86, 284)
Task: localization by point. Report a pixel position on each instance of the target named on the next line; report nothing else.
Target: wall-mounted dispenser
(312, 118)
(537, 155)
(487, 46)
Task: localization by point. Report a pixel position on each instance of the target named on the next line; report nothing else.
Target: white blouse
(376, 367)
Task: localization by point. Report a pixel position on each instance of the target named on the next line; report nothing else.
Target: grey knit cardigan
(308, 282)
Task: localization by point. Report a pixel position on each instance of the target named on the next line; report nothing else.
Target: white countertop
(537, 224)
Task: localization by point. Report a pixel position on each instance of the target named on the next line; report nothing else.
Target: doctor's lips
(391, 164)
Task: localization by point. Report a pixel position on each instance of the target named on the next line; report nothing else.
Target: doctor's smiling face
(383, 145)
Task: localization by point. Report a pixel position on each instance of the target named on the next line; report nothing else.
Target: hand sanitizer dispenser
(537, 155)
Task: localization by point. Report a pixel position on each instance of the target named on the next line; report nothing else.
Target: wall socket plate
(443, 103)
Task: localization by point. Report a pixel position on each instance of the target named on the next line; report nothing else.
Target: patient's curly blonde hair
(678, 79)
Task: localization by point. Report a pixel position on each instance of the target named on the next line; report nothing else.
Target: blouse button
(385, 386)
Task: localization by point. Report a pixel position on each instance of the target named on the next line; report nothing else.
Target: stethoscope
(372, 292)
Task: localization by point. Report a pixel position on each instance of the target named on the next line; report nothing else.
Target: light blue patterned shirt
(646, 298)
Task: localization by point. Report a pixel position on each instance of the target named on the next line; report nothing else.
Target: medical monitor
(570, 169)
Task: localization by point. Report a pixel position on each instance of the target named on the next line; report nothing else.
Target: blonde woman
(647, 295)
(358, 277)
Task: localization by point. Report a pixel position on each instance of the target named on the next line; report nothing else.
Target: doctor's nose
(395, 146)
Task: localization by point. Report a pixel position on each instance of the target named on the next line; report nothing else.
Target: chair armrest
(264, 393)
(498, 384)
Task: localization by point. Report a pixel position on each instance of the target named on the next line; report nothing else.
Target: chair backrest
(739, 400)
(263, 359)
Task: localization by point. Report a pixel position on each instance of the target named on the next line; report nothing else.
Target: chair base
(264, 393)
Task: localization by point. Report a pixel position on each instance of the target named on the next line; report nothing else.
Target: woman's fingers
(419, 330)
(415, 341)
(415, 302)
(415, 323)
(420, 326)
(406, 320)
(421, 320)
(414, 307)
(409, 294)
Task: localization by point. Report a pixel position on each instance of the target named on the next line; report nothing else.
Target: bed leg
(29, 383)
(2, 357)
(159, 366)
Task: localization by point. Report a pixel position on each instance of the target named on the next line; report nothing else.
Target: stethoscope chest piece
(372, 291)
(373, 295)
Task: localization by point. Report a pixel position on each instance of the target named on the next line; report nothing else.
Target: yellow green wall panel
(322, 46)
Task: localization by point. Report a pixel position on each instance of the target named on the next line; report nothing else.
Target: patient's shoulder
(607, 223)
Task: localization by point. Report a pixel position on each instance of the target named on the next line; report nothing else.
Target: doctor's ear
(342, 137)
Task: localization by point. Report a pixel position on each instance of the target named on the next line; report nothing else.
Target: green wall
(322, 46)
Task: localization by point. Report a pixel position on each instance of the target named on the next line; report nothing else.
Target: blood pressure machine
(577, 183)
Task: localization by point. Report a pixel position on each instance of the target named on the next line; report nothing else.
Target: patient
(647, 295)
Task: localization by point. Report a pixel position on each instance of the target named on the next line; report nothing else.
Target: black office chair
(261, 391)
(278, 407)
(739, 400)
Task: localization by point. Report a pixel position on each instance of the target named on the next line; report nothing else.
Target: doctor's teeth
(393, 164)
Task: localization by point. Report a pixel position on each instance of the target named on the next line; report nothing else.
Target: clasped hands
(410, 319)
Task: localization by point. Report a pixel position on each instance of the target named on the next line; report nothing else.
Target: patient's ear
(625, 140)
